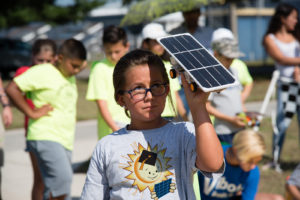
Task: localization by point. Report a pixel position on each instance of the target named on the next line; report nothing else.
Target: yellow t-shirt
(48, 86)
(243, 72)
(174, 86)
(101, 86)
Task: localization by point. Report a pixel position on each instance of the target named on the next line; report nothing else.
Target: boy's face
(251, 164)
(114, 52)
(224, 60)
(70, 67)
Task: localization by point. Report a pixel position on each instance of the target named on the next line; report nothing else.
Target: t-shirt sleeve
(96, 183)
(251, 185)
(190, 147)
(243, 73)
(295, 177)
(33, 79)
(21, 70)
(97, 85)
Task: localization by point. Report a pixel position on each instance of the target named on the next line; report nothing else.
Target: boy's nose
(114, 56)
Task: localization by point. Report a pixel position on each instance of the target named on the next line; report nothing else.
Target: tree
(21, 12)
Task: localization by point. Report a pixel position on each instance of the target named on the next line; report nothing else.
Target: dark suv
(13, 54)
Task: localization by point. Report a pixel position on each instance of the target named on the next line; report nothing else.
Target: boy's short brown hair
(72, 48)
(113, 34)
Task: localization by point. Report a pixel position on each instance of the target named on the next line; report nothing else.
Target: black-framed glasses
(140, 93)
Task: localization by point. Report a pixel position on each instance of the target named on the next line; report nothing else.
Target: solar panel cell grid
(201, 66)
(162, 188)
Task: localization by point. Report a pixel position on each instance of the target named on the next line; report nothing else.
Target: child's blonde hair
(248, 144)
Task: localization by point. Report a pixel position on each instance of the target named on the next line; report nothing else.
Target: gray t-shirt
(142, 164)
(295, 177)
(228, 102)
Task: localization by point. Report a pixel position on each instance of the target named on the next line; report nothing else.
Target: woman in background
(281, 42)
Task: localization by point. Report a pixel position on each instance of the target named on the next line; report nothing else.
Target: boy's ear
(120, 100)
(216, 54)
(127, 46)
(144, 45)
(55, 58)
(60, 58)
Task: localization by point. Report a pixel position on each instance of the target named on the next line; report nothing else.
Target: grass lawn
(271, 181)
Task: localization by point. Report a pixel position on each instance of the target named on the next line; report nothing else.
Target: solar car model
(201, 69)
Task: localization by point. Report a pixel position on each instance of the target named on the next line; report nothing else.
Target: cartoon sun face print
(149, 172)
(148, 167)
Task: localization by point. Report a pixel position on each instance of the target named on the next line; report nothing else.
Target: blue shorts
(54, 161)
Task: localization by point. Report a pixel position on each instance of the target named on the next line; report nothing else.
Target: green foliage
(21, 12)
(127, 2)
(147, 10)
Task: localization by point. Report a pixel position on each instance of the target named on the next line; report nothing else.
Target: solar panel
(202, 67)
(162, 188)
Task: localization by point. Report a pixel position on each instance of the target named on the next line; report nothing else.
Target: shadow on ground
(285, 165)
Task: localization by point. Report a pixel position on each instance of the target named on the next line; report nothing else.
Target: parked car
(14, 53)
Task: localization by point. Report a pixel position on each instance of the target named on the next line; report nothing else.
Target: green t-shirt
(48, 86)
(243, 72)
(174, 86)
(100, 87)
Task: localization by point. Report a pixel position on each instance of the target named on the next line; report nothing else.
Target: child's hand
(195, 99)
(42, 111)
(238, 121)
(7, 116)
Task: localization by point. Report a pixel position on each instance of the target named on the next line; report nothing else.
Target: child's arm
(293, 191)
(7, 116)
(246, 91)
(235, 120)
(103, 109)
(208, 147)
(16, 96)
(245, 94)
(297, 74)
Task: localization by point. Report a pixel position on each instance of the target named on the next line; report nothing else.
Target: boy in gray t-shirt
(226, 104)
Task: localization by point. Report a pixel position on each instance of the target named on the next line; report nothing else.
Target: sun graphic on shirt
(148, 167)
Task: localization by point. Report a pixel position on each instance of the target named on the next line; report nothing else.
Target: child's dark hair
(113, 34)
(133, 59)
(72, 48)
(41, 45)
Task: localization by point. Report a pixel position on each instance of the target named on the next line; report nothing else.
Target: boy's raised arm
(208, 147)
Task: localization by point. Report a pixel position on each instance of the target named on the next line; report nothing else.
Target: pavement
(17, 176)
